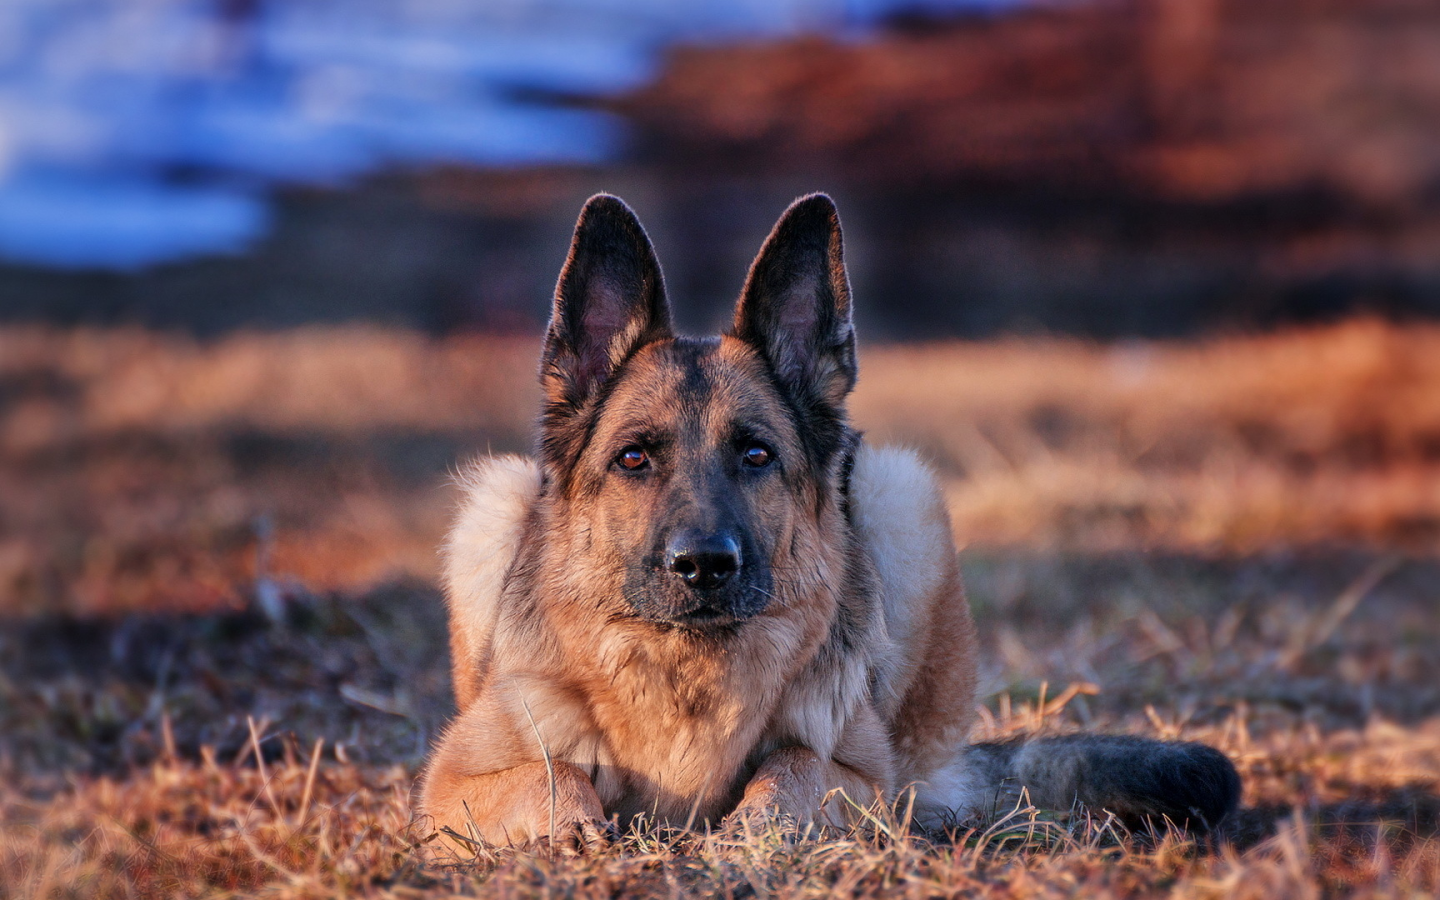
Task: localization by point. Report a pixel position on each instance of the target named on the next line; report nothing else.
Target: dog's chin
(706, 621)
(706, 612)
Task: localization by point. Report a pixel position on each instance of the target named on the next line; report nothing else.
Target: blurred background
(1115, 168)
(1153, 283)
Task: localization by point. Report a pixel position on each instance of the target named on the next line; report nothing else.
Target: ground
(222, 651)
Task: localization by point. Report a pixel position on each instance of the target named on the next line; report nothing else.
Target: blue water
(137, 132)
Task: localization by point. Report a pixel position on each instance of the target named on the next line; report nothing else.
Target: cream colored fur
(900, 513)
(496, 496)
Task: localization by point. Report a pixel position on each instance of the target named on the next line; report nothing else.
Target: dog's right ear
(610, 301)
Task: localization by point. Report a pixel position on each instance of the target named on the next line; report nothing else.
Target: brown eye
(756, 456)
(633, 458)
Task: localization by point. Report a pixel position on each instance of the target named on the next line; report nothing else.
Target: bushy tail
(1143, 782)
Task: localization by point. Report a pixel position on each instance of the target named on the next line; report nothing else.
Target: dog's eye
(757, 456)
(633, 458)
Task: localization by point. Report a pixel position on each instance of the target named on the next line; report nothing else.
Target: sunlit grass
(180, 828)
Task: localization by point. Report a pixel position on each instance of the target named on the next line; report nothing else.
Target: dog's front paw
(578, 837)
(787, 791)
(763, 812)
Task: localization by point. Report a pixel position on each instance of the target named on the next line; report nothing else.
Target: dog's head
(697, 480)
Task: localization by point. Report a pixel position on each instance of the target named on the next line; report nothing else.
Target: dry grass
(1233, 541)
(194, 830)
(1231, 445)
(137, 469)
(1351, 810)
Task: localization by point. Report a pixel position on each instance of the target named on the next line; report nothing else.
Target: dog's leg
(521, 805)
(491, 780)
(794, 784)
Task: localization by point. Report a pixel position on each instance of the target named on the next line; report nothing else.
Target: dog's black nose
(702, 560)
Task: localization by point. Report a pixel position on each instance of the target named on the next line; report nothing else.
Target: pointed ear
(610, 301)
(795, 308)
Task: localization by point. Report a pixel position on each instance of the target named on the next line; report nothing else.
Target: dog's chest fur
(666, 723)
(671, 723)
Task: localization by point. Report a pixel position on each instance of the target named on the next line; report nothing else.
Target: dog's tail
(1143, 782)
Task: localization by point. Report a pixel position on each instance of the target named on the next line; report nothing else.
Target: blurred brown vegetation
(1193, 100)
(145, 471)
(1114, 168)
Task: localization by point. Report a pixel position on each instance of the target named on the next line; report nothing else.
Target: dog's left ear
(795, 307)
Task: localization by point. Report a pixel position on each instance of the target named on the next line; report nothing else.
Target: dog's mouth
(658, 597)
(707, 621)
(708, 617)
(716, 615)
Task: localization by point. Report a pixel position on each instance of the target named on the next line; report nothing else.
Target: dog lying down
(708, 599)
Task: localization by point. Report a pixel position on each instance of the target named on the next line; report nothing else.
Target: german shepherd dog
(707, 597)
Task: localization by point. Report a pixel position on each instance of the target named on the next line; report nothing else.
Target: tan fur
(662, 729)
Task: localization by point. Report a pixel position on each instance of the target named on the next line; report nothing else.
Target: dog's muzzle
(700, 579)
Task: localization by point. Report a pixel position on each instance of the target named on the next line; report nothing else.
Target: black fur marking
(847, 471)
